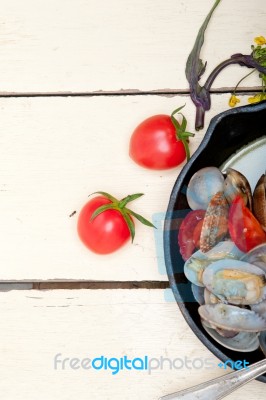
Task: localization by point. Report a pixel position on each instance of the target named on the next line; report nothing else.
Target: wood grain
(86, 324)
(98, 45)
(54, 152)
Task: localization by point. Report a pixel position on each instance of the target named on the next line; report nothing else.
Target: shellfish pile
(223, 243)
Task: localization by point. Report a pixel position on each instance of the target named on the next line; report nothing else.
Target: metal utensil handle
(220, 387)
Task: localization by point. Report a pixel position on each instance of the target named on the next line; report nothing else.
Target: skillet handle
(220, 387)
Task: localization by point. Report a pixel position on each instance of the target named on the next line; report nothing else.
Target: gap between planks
(75, 285)
(127, 92)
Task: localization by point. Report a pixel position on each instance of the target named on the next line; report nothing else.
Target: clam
(198, 293)
(232, 318)
(194, 268)
(196, 264)
(259, 201)
(262, 340)
(260, 308)
(210, 298)
(257, 256)
(224, 249)
(215, 222)
(235, 282)
(222, 333)
(237, 184)
(242, 341)
(202, 186)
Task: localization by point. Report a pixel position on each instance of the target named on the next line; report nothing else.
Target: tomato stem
(120, 206)
(181, 133)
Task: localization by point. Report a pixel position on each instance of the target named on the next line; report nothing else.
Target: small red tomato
(105, 224)
(197, 232)
(245, 230)
(105, 233)
(187, 237)
(160, 142)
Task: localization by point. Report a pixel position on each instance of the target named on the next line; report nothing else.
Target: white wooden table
(76, 77)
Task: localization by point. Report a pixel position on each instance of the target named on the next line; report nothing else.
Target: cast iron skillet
(227, 132)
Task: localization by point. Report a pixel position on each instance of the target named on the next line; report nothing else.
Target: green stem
(181, 133)
(241, 80)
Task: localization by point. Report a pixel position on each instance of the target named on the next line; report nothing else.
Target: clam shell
(198, 293)
(256, 256)
(210, 298)
(235, 281)
(194, 267)
(202, 186)
(259, 201)
(237, 184)
(215, 223)
(242, 341)
(260, 308)
(224, 249)
(232, 318)
(262, 340)
(196, 264)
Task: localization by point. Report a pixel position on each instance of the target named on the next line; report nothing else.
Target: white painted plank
(87, 324)
(54, 152)
(92, 45)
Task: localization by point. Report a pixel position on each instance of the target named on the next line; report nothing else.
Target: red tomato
(197, 232)
(105, 233)
(245, 230)
(189, 232)
(155, 144)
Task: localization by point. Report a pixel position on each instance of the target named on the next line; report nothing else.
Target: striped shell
(215, 223)
(259, 201)
(232, 318)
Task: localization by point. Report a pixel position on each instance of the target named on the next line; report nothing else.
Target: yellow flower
(260, 40)
(257, 98)
(233, 100)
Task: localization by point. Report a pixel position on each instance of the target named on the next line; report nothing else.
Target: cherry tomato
(197, 232)
(245, 230)
(105, 223)
(105, 233)
(160, 142)
(189, 232)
